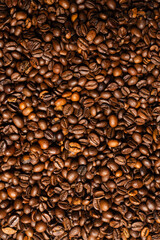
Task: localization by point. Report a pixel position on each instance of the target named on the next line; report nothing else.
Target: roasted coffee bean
(113, 143)
(104, 205)
(78, 129)
(137, 226)
(18, 121)
(88, 102)
(120, 160)
(93, 139)
(82, 44)
(68, 109)
(113, 121)
(144, 232)
(84, 70)
(41, 226)
(3, 214)
(67, 75)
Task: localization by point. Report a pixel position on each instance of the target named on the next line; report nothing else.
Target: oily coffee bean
(84, 70)
(120, 160)
(82, 170)
(91, 85)
(67, 75)
(78, 129)
(3, 146)
(94, 139)
(68, 109)
(145, 232)
(137, 226)
(82, 44)
(88, 102)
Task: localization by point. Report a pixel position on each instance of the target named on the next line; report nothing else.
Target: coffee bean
(68, 109)
(113, 143)
(75, 231)
(41, 226)
(137, 226)
(38, 167)
(120, 160)
(111, 4)
(104, 205)
(145, 232)
(82, 170)
(88, 102)
(18, 121)
(117, 72)
(84, 70)
(72, 175)
(93, 139)
(67, 75)
(113, 121)
(155, 236)
(137, 137)
(137, 183)
(64, 4)
(78, 129)
(58, 163)
(143, 149)
(82, 44)
(12, 193)
(75, 97)
(3, 214)
(91, 35)
(74, 147)
(44, 144)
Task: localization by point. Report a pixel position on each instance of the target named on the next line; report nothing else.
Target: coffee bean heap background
(80, 119)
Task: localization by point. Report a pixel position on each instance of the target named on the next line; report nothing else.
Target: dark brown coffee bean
(18, 121)
(71, 176)
(68, 109)
(3, 146)
(91, 85)
(120, 160)
(93, 139)
(41, 226)
(78, 129)
(137, 137)
(137, 226)
(82, 44)
(88, 102)
(12, 193)
(111, 4)
(137, 183)
(113, 121)
(3, 214)
(104, 205)
(84, 70)
(58, 163)
(145, 232)
(67, 75)
(82, 170)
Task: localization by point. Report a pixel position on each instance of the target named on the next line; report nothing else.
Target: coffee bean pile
(79, 119)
